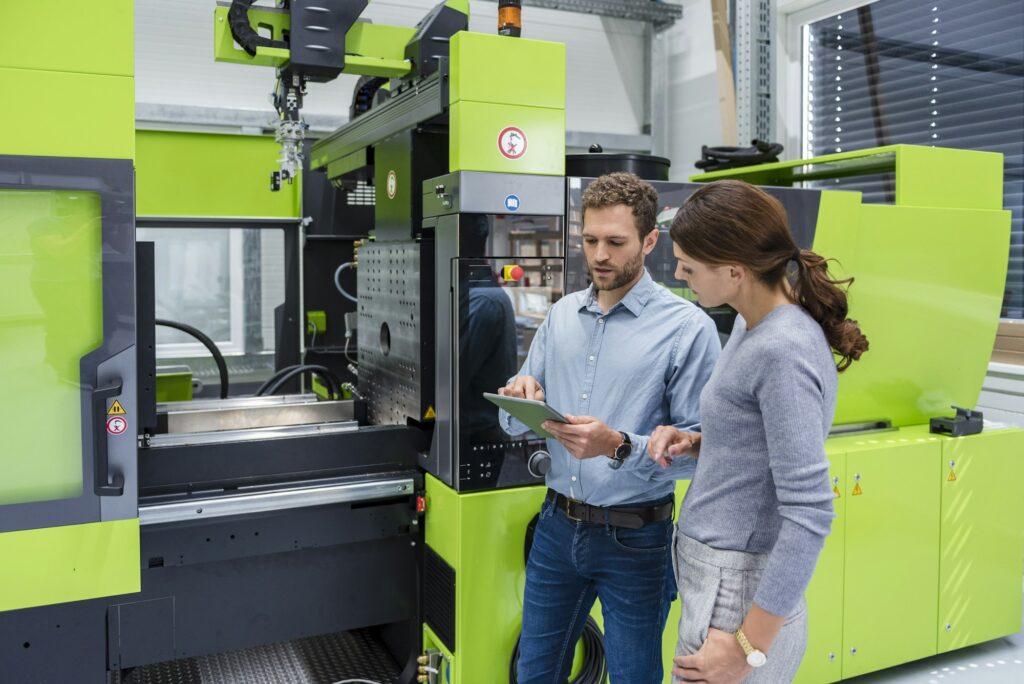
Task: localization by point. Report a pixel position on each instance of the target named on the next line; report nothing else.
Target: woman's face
(713, 285)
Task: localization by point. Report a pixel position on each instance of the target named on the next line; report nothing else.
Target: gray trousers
(717, 588)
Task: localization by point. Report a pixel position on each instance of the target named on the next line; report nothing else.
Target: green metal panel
(928, 299)
(892, 551)
(62, 114)
(51, 315)
(72, 563)
(942, 177)
(925, 176)
(201, 174)
(982, 540)
(174, 386)
(475, 128)
(823, 659)
(69, 35)
(504, 70)
(481, 536)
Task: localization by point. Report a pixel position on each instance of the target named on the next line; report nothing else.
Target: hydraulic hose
(286, 374)
(218, 358)
(337, 281)
(718, 158)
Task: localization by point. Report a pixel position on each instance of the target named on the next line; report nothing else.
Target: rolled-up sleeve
(696, 351)
(533, 366)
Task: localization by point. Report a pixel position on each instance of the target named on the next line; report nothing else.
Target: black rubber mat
(352, 657)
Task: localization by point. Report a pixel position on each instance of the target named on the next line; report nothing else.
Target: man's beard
(630, 270)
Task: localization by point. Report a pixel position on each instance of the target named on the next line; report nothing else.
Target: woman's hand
(719, 661)
(667, 442)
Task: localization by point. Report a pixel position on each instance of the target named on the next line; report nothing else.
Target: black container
(597, 163)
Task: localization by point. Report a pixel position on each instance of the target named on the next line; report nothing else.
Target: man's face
(612, 246)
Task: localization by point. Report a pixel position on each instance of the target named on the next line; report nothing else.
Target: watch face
(756, 659)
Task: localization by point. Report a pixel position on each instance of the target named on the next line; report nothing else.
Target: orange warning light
(512, 273)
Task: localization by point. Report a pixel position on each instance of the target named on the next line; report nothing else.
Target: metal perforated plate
(329, 659)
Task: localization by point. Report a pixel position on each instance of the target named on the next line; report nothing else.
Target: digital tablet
(532, 413)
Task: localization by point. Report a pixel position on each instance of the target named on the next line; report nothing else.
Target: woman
(760, 506)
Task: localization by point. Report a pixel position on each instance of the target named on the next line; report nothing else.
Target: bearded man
(622, 357)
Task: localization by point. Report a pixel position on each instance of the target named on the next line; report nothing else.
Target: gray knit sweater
(762, 479)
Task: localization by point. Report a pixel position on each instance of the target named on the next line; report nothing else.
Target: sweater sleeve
(789, 392)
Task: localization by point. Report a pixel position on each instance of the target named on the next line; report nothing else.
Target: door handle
(103, 483)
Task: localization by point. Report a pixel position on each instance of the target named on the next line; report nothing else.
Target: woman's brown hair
(732, 222)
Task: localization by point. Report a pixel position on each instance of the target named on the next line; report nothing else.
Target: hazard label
(430, 414)
(116, 425)
(857, 490)
(835, 491)
(116, 409)
(952, 476)
(512, 142)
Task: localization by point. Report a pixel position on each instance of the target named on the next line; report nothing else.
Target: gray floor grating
(318, 660)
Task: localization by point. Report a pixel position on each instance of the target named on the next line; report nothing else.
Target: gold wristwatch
(755, 658)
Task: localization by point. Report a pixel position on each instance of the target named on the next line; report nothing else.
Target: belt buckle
(568, 510)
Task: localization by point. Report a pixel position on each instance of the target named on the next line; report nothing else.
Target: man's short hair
(628, 189)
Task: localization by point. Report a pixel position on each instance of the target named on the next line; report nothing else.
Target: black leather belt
(631, 517)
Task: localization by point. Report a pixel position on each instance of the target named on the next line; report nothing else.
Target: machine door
(509, 272)
(68, 487)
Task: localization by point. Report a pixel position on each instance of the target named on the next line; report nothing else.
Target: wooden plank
(1016, 358)
(723, 64)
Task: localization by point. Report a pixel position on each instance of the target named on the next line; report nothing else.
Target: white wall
(686, 79)
(174, 62)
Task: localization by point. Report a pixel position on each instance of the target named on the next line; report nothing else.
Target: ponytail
(825, 300)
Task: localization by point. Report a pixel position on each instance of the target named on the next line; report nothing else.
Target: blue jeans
(574, 563)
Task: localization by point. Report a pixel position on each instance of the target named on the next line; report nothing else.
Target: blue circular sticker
(512, 203)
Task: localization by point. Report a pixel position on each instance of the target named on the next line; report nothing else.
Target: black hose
(286, 374)
(595, 667)
(218, 358)
(719, 158)
(242, 31)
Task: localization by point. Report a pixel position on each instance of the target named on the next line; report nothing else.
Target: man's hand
(719, 661)
(523, 387)
(584, 436)
(667, 442)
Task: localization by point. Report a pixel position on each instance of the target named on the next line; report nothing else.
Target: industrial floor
(350, 657)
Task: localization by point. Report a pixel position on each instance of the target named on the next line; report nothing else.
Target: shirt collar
(634, 301)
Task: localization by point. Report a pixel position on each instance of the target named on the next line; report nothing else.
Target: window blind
(948, 73)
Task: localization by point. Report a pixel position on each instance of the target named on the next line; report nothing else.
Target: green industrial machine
(467, 174)
(69, 525)
(927, 552)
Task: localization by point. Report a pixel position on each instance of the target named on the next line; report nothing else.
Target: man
(622, 357)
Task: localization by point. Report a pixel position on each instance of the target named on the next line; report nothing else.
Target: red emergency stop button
(512, 273)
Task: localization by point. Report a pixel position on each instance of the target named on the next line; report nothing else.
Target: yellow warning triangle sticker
(835, 491)
(857, 490)
(952, 476)
(116, 409)
(429, 415)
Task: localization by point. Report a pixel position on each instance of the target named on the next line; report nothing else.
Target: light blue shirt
(641, 365)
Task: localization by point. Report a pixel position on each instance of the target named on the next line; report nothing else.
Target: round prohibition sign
(117, 425)
(512, 142)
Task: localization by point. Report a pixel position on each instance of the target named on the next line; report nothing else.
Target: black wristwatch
(621, 452)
